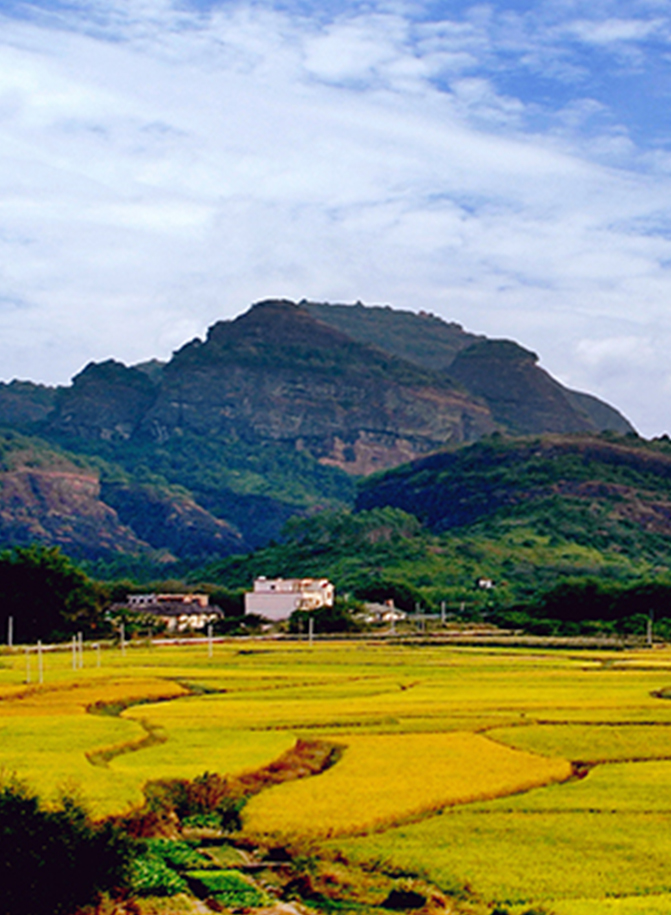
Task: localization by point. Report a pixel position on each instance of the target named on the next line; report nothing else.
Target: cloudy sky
(164, 163)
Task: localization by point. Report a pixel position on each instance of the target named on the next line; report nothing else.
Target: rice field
(457, 762)
(390, 778)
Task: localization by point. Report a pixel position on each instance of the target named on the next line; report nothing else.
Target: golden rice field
(391, 777)
(457, 762)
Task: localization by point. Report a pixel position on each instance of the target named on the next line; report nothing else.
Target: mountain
(276, 374)
(274, 414)
(284, 373)
(24, 404)
(521, 396)
(419, 338)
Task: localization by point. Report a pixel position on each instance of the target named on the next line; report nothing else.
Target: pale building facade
(277, 598)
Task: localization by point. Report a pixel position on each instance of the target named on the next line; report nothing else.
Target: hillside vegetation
(525, 513)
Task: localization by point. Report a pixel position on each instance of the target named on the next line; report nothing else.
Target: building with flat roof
(277, 598)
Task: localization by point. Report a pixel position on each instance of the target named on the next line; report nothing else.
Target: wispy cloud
(164, 164)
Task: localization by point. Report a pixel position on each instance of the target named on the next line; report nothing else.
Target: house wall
(273, 605)
(277, 598)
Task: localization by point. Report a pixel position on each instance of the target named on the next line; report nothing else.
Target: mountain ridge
(276, 412)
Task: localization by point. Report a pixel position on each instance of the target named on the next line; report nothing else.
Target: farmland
(534, 778)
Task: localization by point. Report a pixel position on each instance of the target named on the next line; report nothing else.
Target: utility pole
(10, 632)
(651, 618)
(311, 629)
(442, 612)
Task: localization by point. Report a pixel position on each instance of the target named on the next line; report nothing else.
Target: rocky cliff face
(285, 373)
(278, 374)
(49, 498)
(521, 396)
(46, 497)
(107, 400)
(24, 404)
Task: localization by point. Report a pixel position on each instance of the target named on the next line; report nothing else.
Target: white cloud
(160, 169)
(614, 31)
(609, 352)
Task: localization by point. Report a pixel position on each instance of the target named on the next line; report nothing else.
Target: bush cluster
(55, 859)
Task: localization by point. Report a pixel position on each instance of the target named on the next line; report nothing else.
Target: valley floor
(508, 780)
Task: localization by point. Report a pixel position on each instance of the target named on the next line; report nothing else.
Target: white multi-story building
(277, 598)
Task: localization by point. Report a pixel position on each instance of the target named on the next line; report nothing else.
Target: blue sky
(506, 165)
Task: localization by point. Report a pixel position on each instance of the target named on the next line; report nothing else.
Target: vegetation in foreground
(55, 859)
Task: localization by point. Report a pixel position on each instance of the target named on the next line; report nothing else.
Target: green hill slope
(525, 513)
(625, 475)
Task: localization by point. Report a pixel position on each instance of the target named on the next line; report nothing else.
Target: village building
(277, 598)
(176, 612)
(383, 613)
(143, 600)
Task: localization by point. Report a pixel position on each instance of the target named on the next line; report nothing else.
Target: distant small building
(277, 598)
(177, 612)
(144, 600)
(383, 613)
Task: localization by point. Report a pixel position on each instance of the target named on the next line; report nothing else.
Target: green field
(456, 765)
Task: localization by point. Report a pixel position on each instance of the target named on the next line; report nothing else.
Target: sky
(506, 165)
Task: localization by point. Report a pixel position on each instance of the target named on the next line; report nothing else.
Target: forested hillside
(526, 514)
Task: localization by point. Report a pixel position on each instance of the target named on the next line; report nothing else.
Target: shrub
(210, 796)
(53, 860)
(176, 854)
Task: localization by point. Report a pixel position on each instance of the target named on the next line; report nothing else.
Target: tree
(337, 618)
(45, 593)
